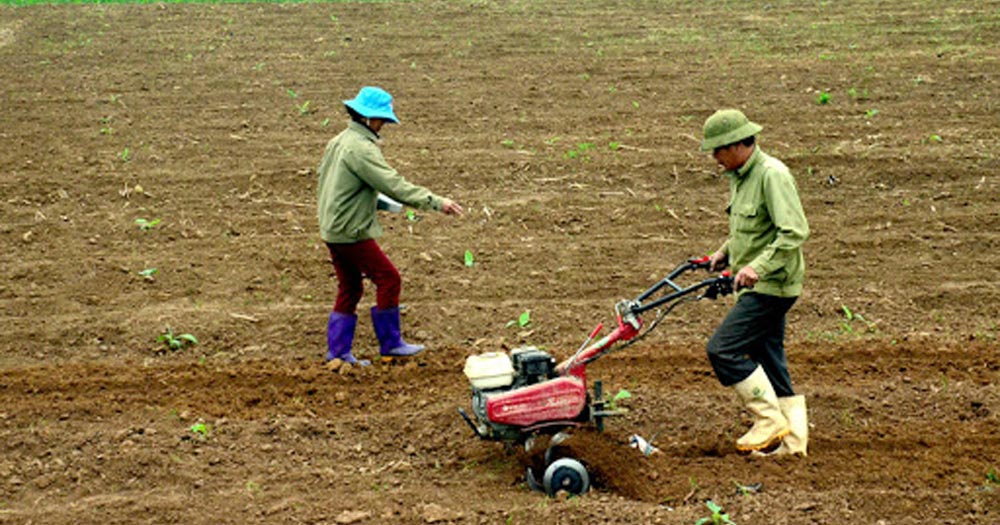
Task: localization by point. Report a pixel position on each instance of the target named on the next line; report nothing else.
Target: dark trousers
(753, 333)
(355, 261)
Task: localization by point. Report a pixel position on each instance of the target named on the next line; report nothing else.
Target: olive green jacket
(767, 226)
(351, 175)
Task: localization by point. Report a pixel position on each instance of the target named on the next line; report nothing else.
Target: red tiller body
(559, 399)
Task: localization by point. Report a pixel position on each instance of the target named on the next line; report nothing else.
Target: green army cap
(725, 127)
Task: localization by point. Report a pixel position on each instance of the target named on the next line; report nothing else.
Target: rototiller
(521, 395)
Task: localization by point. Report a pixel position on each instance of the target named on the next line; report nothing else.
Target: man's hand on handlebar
(718, 261)
(746, 278)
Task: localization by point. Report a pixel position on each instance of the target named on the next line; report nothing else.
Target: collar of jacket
(363, 130)
(754, 158)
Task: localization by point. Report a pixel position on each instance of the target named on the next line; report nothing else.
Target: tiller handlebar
(628, 313)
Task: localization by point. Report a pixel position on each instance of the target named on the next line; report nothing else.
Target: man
(351, 175)
(767, 228)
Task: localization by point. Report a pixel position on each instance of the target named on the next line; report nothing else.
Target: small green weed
(823, 98)
(148, 274)
(125, 155)
(470, 260)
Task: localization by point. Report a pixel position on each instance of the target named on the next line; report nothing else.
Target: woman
(351, 175)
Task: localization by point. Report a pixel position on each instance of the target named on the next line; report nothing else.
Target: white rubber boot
(770, 425)
(794, 409)
(796, 442)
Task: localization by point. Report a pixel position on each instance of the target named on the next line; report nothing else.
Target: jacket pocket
(748, 218)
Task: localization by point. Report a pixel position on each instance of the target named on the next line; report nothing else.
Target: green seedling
(200, 429)
(291, 93)
(850, 317)
(823, 98)
(146, 225)
(469, 259)
(613, 146)
(507, 143)
(325, 123)
(253, 488)
(259, 66)
(303, 108)
(411, 215)
(935, 138)
(992, 477)
(106, 128)
(148, 273)
(717, 517)
(125, 155)
(580, 151)
(620, 396)
(175, 342)
(871, 113)
(522, 320)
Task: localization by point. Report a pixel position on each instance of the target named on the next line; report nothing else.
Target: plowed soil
(569, 131)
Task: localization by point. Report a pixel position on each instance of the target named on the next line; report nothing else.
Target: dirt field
(569, 131)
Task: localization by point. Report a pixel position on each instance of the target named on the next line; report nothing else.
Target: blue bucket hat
(373, 102)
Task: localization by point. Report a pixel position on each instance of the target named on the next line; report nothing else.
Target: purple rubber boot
(340, 337)
(391, 344)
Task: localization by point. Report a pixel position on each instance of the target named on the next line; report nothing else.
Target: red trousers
(355, 261)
